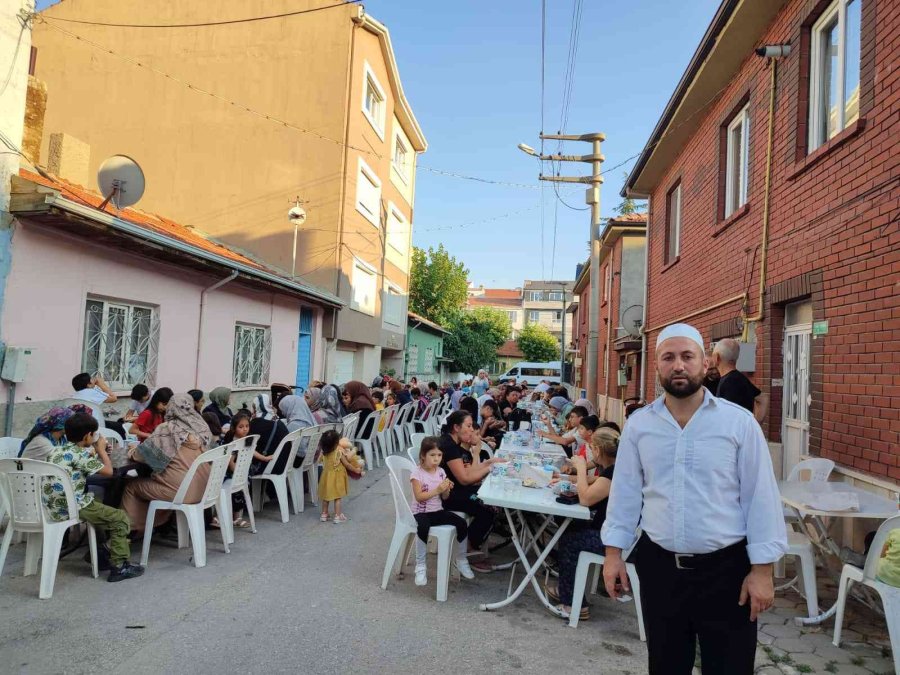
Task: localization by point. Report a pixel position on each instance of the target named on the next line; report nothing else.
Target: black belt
(698, 561)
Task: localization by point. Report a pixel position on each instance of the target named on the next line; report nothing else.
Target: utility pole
(562, 341)
(592, 197)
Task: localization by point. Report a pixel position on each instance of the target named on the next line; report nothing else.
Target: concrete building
(425, 351)
(545, 303)
(773, 218)
(508, 355)
(622, 251)
(143, 299)
(232, 122)
(506, 300)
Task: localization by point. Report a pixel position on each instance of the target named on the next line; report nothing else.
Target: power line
(543, 95)
(203, 24)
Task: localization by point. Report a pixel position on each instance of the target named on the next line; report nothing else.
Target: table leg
(529, 569)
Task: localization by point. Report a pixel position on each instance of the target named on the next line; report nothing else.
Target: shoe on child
(421, 577)
(464, 569)
(124, 571)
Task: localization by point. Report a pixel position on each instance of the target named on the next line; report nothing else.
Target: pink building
(140, 298)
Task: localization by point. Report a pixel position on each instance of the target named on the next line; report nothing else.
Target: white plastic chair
(400, 429)
(96, 409)
(111, 435)
(890, 595)
(419, 423)
(801, 547)
(290, 444)
(413, 454)
(308, 468)
(365, 437)
(9, 447)
(21, 483)
(405, 529)
(384, 438)
(415, 441)
(191, 528)
(585, 560)
(351, 424)
(239, 482)
(814, 469)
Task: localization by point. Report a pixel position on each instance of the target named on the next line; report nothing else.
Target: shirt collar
(708, 399)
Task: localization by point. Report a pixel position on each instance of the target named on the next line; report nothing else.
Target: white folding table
(798, 495)
(534, 500)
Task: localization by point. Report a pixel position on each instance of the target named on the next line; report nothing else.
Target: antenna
(121, 181)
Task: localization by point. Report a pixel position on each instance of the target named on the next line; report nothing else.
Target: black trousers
(425, 521)
(682, 606)
(483, 522)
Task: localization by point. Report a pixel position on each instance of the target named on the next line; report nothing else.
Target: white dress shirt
(697, 489)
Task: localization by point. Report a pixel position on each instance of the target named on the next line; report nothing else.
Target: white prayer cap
(680, 330)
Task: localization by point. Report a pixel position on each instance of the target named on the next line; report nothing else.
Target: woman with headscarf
(359, 399)
(324, 404)
(169, 451)
(48, 432)
(218, 405)
(587, 405)
(262, 408)
(297, 415)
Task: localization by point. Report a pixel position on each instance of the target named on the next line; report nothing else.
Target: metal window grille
(121, 343)
(252, 350)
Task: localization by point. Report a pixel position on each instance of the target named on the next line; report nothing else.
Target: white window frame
(512, 315)
(818, 121)
(392, 289)
(252, 355)
(737, 162)
(535, 296)
(401, 167)
(120, 373)
(377, 120)
(534, 316)
(605, 283)
(365, 174)
(392, 236)
(555, 296)
(363, 267)
(557, 316)
(674, 224)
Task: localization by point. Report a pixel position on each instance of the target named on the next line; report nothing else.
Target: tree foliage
(437, 284)
(474, 337)
(537, 343)
(628, 205)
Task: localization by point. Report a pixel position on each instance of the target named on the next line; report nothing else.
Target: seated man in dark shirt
(733, 385)
(512, 414)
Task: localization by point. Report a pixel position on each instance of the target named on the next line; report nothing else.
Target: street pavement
(297, 597)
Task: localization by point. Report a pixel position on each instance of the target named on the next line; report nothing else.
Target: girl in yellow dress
(334, 484)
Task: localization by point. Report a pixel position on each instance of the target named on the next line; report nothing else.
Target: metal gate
(795, 426)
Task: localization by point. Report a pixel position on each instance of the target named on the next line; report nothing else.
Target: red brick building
(784, 229)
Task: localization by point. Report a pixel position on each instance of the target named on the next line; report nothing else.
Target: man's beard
(683, 388)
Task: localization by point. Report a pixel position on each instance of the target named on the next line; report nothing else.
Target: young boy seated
(80, 459)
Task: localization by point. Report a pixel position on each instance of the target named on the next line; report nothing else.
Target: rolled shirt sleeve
(760, 499)
(626, 496)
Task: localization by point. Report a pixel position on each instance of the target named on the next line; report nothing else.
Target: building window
(393, 305)
(428, 361)
(533, 316)
(605, 275)
(554, 295)
(401, 158)
(121, 342)
(834, 71)
(673, 224)
(397, 230)
(368, 193)
(252, 350)
(557, 316)
(363, 287)
(373, 101)
(737, 161)
(412, 359)
(535, 296)
(512, 315)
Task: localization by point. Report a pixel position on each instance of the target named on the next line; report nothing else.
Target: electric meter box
(15, 363)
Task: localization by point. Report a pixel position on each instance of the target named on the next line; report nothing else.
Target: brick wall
(834, 237)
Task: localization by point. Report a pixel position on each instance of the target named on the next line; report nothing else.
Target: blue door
(304, 350)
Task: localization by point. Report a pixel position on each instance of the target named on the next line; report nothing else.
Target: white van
(532, 373)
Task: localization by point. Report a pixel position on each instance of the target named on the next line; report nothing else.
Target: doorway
(304, 350)
(796, 356)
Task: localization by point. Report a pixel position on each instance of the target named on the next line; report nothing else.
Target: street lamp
(527, 149)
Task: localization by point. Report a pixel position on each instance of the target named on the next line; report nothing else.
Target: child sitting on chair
(80, 459)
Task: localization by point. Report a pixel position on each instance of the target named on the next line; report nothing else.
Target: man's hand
(101, 443)
(759, 587)
(615, 577)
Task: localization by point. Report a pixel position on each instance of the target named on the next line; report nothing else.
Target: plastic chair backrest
(874, 555)
(408, 413)
(22, 481)
(218, 459)
(289, 444)
(487, 449)
(416, 440)
(351, 422)
(429, 410)
(370, 426)
(245, 447)
(9, 446)
(96, 409)
(390, 416)
(111, 434)
(313, 436)
(818, 469)
(413, 454)
(401, 469)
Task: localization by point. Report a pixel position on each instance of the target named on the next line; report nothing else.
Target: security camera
(297, 215)
(773, 51)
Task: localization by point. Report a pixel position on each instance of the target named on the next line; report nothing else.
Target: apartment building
(774, 196)
(506, 300)
(232, 122)
(545, 303)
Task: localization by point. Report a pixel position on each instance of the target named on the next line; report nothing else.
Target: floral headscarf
(314, 396)
(262, 408)
(53, 420)
(182, 420)
(326, 404)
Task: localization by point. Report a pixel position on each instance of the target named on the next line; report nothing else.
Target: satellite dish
(121, 181)
(632, 318)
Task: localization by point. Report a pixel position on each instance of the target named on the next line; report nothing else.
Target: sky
(472, 74)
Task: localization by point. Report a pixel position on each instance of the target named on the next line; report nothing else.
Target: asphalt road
(297, 597)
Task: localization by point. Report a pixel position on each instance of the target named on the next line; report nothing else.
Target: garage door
(343, 366)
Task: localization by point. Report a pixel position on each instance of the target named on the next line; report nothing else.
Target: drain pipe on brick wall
(642, 388)
(231, 277)
(772, 53)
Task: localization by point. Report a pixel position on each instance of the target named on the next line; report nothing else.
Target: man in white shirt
(92, 389)
(694, 472)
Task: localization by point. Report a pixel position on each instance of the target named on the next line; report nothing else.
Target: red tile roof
(630, 218)
(152, 222)
(495, 302)
(510, 348)
(500, 293)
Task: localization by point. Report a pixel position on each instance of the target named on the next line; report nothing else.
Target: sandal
(324, 518)
(214, 523)
(242, 524)
(340, 519)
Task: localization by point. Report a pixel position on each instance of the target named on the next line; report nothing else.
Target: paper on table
(833, 501)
